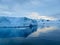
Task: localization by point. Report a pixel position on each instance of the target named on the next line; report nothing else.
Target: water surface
(45, 34)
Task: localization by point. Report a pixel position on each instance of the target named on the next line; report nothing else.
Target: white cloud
(35, 15)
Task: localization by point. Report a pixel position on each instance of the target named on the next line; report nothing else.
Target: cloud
(21, 7)
(35, 2)
(6, 13)
(6, 0)
(35, 15)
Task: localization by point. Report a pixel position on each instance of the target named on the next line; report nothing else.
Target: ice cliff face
(16, 21)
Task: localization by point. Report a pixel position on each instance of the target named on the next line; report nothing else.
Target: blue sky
(47, 9)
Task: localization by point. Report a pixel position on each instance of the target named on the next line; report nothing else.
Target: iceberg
(17, 26)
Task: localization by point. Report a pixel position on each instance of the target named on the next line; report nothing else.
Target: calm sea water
(44, 34)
